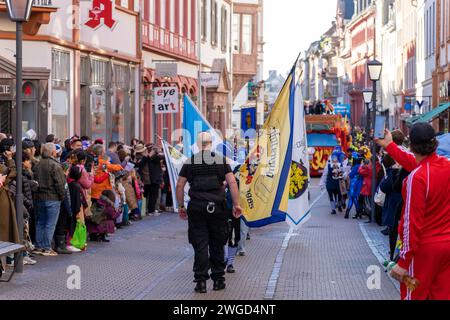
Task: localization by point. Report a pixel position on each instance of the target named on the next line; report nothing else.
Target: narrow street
(326, 259)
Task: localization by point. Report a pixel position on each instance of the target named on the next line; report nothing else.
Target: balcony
(40, 14)
(167, 42)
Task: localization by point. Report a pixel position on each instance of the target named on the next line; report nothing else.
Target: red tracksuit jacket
(426, 209)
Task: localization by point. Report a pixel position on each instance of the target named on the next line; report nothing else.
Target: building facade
(441, 75)
(80, 77)
(170, 39)
(362, 35)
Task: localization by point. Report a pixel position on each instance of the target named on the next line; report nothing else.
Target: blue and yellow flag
(265, 175)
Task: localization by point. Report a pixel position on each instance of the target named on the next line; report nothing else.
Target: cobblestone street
(326, 259)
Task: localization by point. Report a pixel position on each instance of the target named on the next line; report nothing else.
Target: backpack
(97, 213)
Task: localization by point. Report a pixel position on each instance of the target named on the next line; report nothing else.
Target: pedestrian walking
(206, 173)
(425, 224)
(330, 180)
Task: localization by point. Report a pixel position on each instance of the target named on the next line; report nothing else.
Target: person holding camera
(425, 223)
(102, 169)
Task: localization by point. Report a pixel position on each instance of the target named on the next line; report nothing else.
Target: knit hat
(421, 133)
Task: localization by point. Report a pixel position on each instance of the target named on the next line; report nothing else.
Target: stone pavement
(326, 259)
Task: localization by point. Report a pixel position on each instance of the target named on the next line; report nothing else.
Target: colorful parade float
(325, 132)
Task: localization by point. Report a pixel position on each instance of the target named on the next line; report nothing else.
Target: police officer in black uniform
(206, 173)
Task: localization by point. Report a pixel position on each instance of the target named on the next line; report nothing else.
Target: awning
(429, 116)
(444, 145)
(322, 140)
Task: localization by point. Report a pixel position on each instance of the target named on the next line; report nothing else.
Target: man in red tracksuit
(425, 223)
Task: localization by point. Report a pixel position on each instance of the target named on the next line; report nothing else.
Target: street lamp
(19, 11)
(374, 68)
(368, 96)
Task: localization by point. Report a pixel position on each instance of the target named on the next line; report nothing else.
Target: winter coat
(154, 169)
(8, 223)
(108, 225)
(365, 171)
(393, 200)
(130, 194)
(51, 178)
(101, 178)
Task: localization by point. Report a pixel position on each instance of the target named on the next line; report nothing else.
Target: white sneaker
(49, 253)
(157, 213)
(73, 249)
(28, 261)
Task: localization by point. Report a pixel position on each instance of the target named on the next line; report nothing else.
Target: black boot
(93, 237)
(219, 285)
(102, 238)
(200, 287)
(333, 212)
(61, 245)
(230, 269)
(347, 214)
(357, 216)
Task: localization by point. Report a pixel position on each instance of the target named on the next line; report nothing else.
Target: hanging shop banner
(165, 99)
(166, 70)
(210, 79)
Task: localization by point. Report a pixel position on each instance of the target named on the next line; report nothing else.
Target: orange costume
(101, 178)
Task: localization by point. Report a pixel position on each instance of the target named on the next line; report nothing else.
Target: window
(203, 12)
(246, 34)
(163, 14)
(60, 93)
(213, 23)
(122, 86)
(152, 11)
(224, 29)
(236, 33)
(98, 99)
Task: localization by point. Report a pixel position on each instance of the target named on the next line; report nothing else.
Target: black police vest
(206, 178)
(206, 182)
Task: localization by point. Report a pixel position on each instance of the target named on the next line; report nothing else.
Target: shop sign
(166, 70)
(210, 79)
(5, 89)
(100, 14)
(165, 99)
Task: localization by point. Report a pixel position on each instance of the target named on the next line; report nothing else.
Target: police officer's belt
(208, 206)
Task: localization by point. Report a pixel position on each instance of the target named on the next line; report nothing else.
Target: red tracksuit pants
(431, 266)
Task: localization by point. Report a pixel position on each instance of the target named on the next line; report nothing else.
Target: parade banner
(264, 177)
(174, 163)
(298, 206)
(194, 123)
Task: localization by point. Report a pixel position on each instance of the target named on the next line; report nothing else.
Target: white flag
(298, 205)
(174, 163)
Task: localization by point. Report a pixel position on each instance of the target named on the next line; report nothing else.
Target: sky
(290, 26)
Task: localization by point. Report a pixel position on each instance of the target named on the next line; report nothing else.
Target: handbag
(97, 213)
(79, 236)
(380, 196)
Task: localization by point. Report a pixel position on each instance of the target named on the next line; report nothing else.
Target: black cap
(27, 144)
(421, 133)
